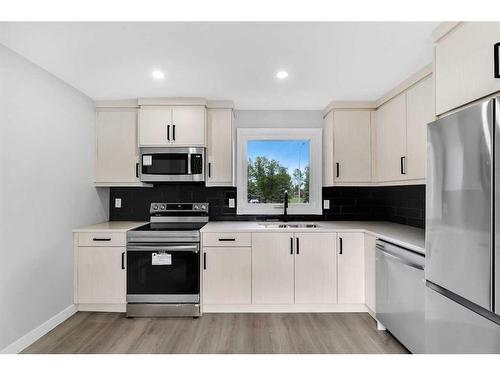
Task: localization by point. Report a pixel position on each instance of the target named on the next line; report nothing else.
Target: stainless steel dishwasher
(400, 294)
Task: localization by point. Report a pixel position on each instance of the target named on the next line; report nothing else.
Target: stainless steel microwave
(172, 164)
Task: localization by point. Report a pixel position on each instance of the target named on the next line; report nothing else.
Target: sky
(288, 153)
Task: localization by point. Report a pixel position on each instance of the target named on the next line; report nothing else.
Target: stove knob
(203, 207)
(196, 207)
(162, 207)
(155, 207)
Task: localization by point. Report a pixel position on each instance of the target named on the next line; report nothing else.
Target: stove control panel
(167, 208)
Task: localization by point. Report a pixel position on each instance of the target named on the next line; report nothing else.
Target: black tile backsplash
(400, 204)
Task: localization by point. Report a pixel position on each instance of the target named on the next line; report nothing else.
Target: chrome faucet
(285, 207)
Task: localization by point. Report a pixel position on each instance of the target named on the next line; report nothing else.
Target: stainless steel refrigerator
(463, 231)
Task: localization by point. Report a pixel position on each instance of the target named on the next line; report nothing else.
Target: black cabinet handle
(123, 261)
(168, 132)
(497, 59)
(101, 239)
(403, 159)
(227, 239)
(137, 170)
(341, 247)
(209, 169)
(291, 245)
(338, 169)
(298, 247)
(204, 261)
(173, 132)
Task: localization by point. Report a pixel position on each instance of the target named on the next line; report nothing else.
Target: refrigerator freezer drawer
(452, 328)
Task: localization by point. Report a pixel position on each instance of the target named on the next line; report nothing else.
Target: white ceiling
(236, 61)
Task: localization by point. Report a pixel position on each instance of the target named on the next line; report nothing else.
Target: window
(272, 161)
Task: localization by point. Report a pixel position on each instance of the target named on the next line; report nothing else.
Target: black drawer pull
(291, 245)
(209, 169)
(123, 261)
(227, 239)
(338, 170)
(341, 247)
(101, 239)
(204, 261)
(298, 247)
(403, 166)
(173, 132)
(168, 132)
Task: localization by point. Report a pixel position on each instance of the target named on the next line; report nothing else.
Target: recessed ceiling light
(281, 74)
(158, 74)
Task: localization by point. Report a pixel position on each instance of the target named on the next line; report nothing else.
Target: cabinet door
(272, 268)
(101, 275)
(351, 268)
(390, 127)
(370, 285)
(117, 153)
(464, 65)
(188, 126)
(220, 147)
(155, 126)
(420, 111)
(315, 268)
(352, 146)
(227, 277)
(328, 167)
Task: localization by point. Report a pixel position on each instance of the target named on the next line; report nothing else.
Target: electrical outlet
(118, 203)
(231, 203)
(326, 204)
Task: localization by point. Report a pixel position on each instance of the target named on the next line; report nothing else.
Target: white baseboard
(29, 338)
(282, 308)
(102, 307)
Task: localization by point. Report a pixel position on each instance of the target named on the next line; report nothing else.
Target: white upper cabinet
(352, 146)
(117, 153)
(175, 126)
(420, 112)
(464, 64)
(328, 149)
(272, 268)
(351, 268)
(189, 125)
(315, 268)
(220, 147)
(390, 140)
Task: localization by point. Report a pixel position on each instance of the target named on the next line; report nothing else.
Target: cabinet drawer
(227, 239)
(102, 239)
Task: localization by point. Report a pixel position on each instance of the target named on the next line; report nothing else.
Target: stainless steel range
(163, 261)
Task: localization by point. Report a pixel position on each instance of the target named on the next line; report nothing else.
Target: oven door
(172, 164)
(163, 273)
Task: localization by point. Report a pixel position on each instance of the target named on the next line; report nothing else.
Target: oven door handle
(191, 248)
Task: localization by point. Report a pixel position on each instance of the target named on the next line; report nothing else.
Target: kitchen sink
(287, 225)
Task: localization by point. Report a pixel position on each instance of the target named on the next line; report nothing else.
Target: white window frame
(314, 135)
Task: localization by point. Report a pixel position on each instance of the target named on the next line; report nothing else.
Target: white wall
(278, 119)
(46, 190)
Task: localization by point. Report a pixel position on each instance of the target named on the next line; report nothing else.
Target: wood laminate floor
(87, 332)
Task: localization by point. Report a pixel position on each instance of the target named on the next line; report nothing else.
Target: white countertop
(403, 235)
(111, 226)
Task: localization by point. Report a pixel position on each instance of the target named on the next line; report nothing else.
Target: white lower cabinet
(101, 277)
(227, 275)
(315, 268)
(272, 268)
(351, 268)
(370, 291)
(275, 270)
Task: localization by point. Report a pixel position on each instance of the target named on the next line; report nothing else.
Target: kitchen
(292, 215)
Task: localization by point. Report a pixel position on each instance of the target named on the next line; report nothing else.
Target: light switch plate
(118, 203)
(326, 204)
(231, 203)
